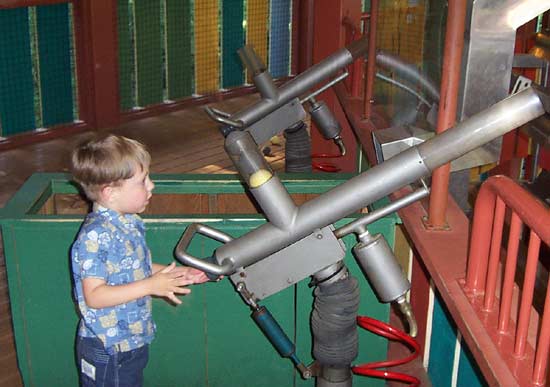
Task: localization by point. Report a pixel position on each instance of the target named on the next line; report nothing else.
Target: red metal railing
(510, 328)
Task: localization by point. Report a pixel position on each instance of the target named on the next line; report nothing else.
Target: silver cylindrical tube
(327, 124)
(303, 82)
(251, 60)
(481, 128)
(384, 273)
(243, 151)
(266, 87)
(373, 184)
(333, 205)
(276, 203)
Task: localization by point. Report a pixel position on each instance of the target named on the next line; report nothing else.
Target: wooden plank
(178, 204)
(5, 324)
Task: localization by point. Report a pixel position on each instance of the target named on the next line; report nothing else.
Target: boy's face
(133, 194)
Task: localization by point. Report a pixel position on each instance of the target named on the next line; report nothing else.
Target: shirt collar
(126, 220)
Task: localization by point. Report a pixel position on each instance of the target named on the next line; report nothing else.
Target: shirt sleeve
(92, 252)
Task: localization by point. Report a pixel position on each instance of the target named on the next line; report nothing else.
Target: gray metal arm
(383, 179)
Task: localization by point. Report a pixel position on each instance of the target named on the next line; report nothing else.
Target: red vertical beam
(98, 48)
(450, 79)
(303, 25)
(329, 36)
(371, 60)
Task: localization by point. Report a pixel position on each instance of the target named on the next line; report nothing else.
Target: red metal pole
(541, 357)
(508, 283)
(527, 294)
(450, 78)
(371, 60)
(494, 255)
(305, 34)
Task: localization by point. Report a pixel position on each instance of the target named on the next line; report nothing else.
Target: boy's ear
(106, 193)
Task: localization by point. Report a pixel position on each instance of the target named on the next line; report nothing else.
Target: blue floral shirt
(112, 247)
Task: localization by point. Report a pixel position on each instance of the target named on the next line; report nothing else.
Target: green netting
(125, 56)
(16, 85)
(149, 47)
(232, 39)
(179, 58)
(54, 48)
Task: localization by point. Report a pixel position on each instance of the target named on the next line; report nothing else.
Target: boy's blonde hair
(107, 160)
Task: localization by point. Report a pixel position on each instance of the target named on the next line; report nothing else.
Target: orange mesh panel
(207, 52)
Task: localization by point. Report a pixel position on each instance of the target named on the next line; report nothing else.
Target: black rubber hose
(333, 323)
(297, 149)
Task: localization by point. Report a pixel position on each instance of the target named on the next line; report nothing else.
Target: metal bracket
(292, 264)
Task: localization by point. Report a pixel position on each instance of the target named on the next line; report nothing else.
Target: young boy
(114, 277)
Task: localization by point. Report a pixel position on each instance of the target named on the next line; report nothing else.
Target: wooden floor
(180, 142)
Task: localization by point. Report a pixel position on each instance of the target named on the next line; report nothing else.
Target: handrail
(519, 200)
(495, 195)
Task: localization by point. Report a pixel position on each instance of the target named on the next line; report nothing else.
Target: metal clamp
(202, 264)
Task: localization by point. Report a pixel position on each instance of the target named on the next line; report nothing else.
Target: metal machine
(298, 242)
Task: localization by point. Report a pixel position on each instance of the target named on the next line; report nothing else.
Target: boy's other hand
(191, 274)
(168, 282)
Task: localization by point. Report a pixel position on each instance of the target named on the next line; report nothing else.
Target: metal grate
(207, 51)
(37, 68)
(279, 38)
(170, 49)
(232, 40)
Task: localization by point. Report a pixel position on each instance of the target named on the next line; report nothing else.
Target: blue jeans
(97, 368)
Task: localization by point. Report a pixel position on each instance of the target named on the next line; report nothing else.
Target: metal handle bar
(357, 226)
(202, 264)
(329, 84)
(222, 117)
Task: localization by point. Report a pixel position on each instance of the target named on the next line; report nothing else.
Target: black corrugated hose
(297, 149)
(333, 323)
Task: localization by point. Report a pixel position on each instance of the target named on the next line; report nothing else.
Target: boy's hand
(168, 282)
(190, 273)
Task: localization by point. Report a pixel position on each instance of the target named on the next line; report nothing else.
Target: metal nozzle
(341, 146)
(406, 310)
